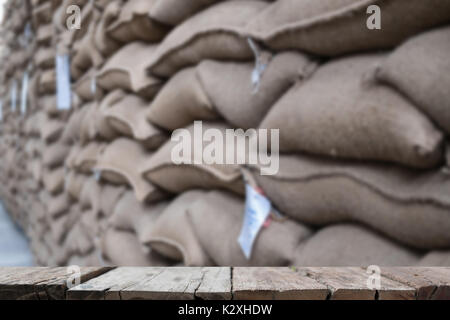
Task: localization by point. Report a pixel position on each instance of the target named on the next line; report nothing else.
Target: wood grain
(40, 283)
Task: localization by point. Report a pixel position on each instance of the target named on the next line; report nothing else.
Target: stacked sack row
(363, 117)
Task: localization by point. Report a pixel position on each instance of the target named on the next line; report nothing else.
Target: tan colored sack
(42, 14)
(127, 116)
(122, 248)
(61, 225)
(352, 245)
(109, 197)
(183, 96)
(336, 27)
(131, 215)
(86, 88)
(86, 159)
(341, 112)
(408, 206)
(73, 183)
(103, 42)
(173, 12)
(135, 24)
(86, 55)
(215, 33)
(45, 58)
(126, 70)
(230, 89)
(47, 82)
(172, 235)
(120, 162)
(54, 155)
(51, 129)
(94, 124)
(90, 195)
(435, 259)
(54, 180)
(217, 220)
(419, 69)
(44, 34)
(73, 127)
(78, 241)
(163, 172)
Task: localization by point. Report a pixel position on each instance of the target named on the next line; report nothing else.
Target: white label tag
(24, 93)
(96, 173)
(93, 85)
(257, 210)
(63, 90)
(14, 96)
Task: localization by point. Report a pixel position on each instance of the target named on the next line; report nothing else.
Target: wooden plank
(275, 283)
(40, 283)
(109, 285)
(351, 284)
(172, 283)
(215, 284)
(430, 283)
(157, 283)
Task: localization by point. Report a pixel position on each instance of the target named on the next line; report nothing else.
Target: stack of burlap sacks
(363, 118)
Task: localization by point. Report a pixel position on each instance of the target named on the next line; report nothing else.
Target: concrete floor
(14, 249)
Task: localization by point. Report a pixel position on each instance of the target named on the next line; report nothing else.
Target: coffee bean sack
(120, 178)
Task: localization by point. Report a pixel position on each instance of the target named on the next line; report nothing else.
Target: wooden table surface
(224, 283)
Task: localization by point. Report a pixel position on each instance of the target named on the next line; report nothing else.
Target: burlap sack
(214, 33)
(69, 162)
(173, 12)
(109, 197)
(47, 82)
(172, 235)
(135, 24)
(90, 195)
(86, 55)
(44, 34)
(51, 129)
(183, 96)
(72, 128)
(418, 68)
(61, 225)
(45, 58)
(53, 180)
(73, 184)
(87, 157)
(230, 89)
(217, 220)
(340, 112)
(103, 42)
(335, 27)
(131, 215)
(120, 162)
(58, 205)
(435, 259)
(352, 245)
(127, 115)
(78, 241)
(161, 170)
(126, 70)
(86, 88)
(54, 155)
(42, 14)
(94, 124)
(406, 205)
(122, 248)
